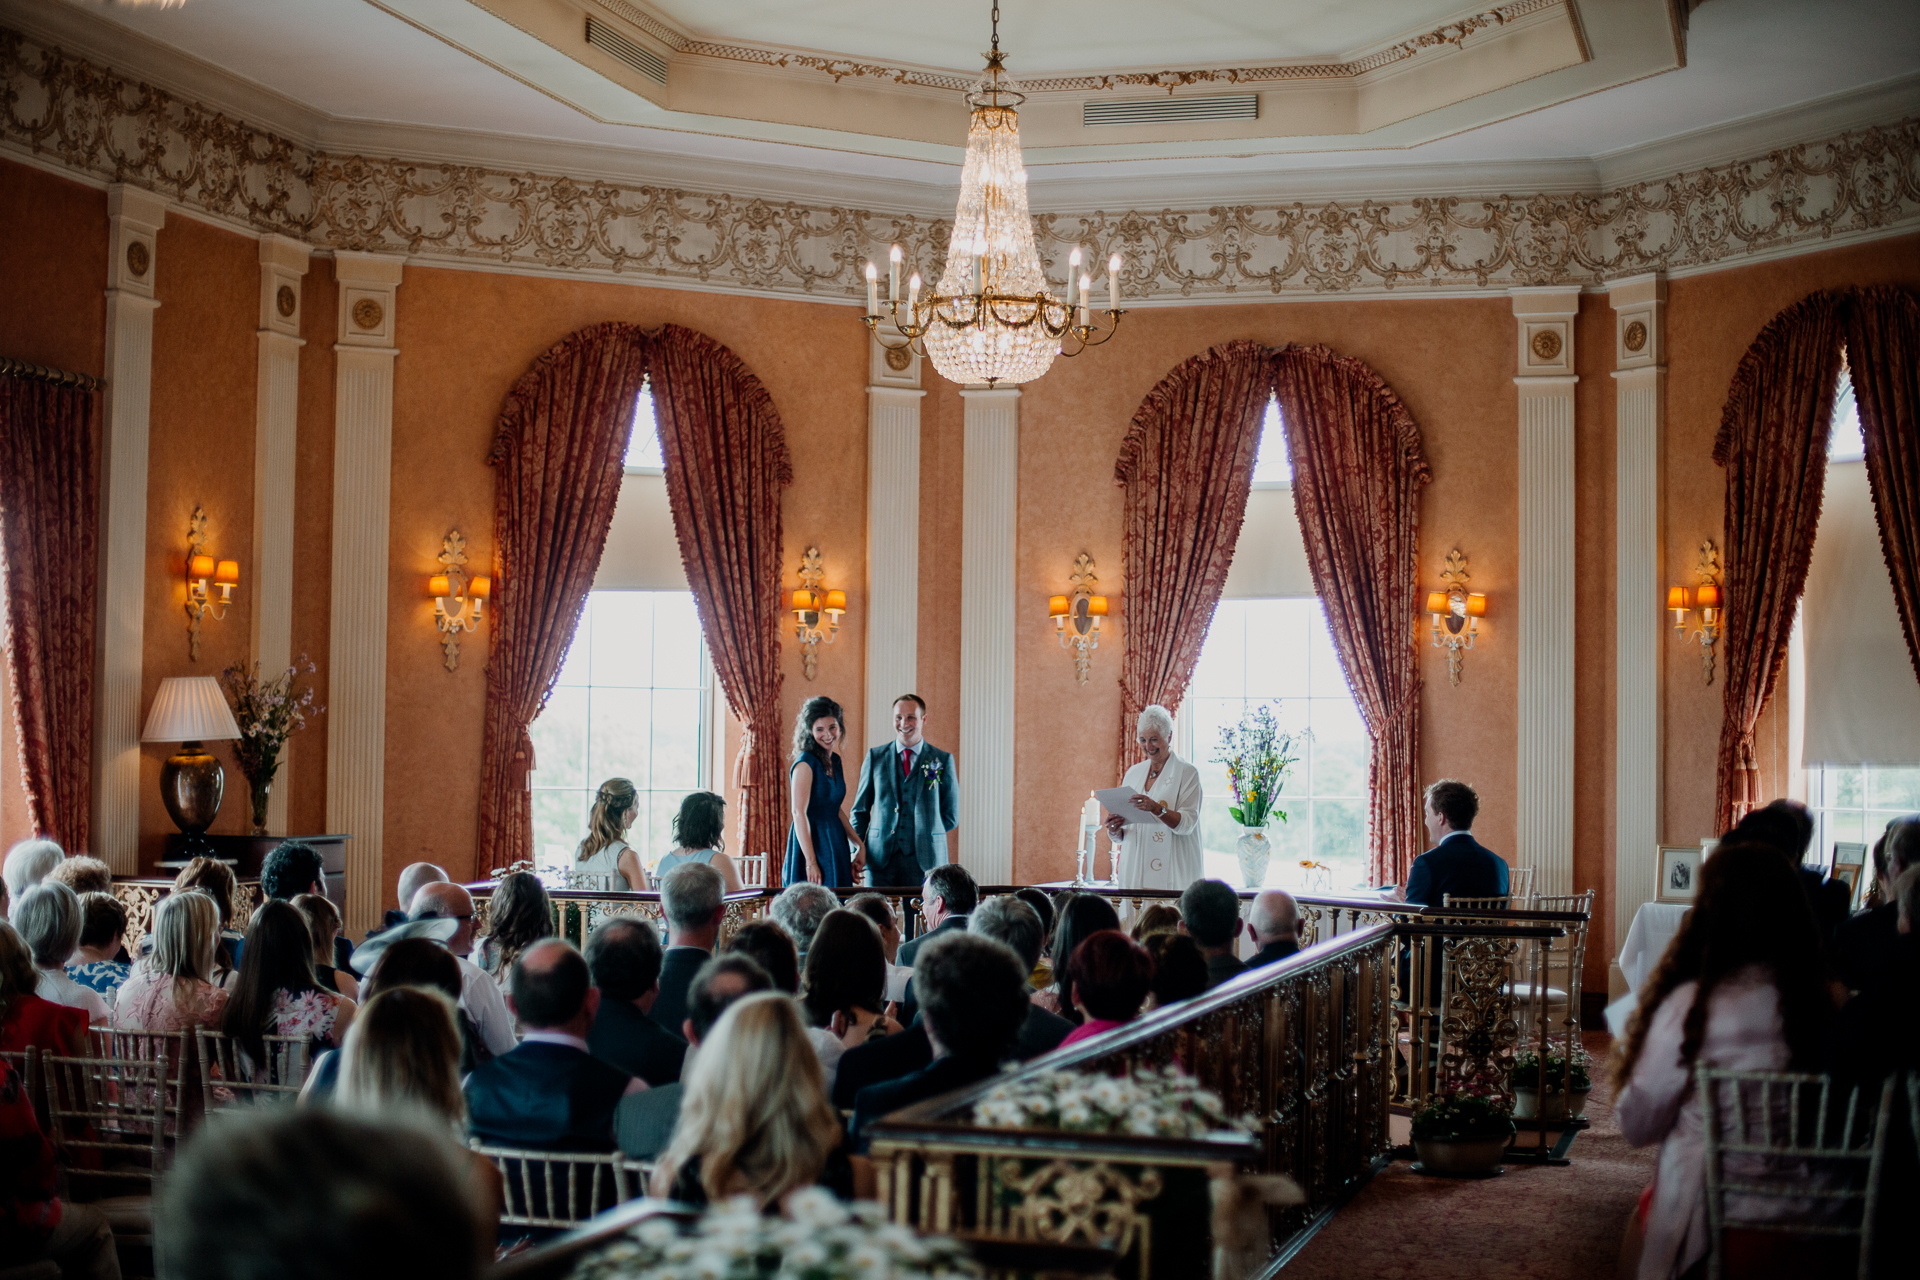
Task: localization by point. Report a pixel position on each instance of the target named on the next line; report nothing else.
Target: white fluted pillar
(893, 537)
(362, 509)
(1544, 778)
(989, 512)
(134, 218)
(1640, 376)
(283, 263)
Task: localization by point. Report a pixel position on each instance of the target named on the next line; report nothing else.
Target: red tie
(906, 763)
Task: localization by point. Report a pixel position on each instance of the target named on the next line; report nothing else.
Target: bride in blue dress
(820, 843)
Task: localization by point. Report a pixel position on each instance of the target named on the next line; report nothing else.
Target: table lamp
(191, 710)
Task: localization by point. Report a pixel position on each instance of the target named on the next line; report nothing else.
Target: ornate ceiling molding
(94, 122)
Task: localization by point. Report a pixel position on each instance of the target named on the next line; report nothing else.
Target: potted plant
(1567, 1086)
(268, 712)
(1257, 755)
(1464, 1134)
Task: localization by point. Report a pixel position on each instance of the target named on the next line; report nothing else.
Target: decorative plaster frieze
(98, 123)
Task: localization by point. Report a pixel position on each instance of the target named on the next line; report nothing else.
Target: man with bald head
(550, 1093)
(1277, 926)
(479, 995)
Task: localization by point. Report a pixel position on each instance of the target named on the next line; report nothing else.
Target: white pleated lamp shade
(189, 709)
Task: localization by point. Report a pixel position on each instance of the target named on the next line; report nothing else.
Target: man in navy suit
(907, 801)
(1457, 864)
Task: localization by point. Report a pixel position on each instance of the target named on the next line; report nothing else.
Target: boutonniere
(931, 771)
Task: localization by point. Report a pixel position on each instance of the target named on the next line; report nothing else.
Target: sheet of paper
(1119, 801)
(897, 978)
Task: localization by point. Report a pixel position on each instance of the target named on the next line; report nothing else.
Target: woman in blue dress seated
(820, 844)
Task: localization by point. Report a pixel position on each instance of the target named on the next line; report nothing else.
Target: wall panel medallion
(1635, 337)
(284, 302)
(1546, 344)
(138, 258)
(367, 314)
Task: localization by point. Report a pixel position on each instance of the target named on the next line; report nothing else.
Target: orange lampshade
(805, 601)
(1708, 595)
(1097, 606)
(480, 588)
(836, 602)
(227, 571)
(1056, 606)
(1677, 598)
(1439, 602)
(1476, 605)
(439, 587)
(200, 566)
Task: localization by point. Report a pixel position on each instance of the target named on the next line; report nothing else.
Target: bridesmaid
(820, 845)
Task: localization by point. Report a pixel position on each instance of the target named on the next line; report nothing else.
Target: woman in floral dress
(277, 994)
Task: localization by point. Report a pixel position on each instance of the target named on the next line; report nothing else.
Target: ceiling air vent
(1231, 106)
(638, 56)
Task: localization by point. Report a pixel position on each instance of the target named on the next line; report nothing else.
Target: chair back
(1790, 1154)
(229, 1075)
(1455, 902)
(562, 1188)
(109, 1119)
(1520, 888)
(26, 1062)
(173, 1053)
(753, 870)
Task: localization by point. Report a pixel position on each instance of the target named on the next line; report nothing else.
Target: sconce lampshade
(805, 601)
(480, 588)
(200, 567)
(1439, 602)
(1097, 606)
(227, 571)
(1476, 605)
(1056, 606)
(439, 587)
(836, 602)
(189, 709)
(1708, 595)
(1676, 598)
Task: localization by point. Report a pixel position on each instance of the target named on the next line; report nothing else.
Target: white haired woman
(1159, 844)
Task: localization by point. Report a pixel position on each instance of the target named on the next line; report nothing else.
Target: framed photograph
(1680, 872)
(1848, 873)
(1849, 866)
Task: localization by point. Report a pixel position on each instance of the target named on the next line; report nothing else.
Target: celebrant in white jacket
(1160, 848)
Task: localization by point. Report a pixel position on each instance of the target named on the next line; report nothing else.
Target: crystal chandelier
(992, 318)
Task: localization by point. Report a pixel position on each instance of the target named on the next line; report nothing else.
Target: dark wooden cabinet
(246, 854)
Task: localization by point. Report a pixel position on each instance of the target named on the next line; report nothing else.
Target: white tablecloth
(1653, 927)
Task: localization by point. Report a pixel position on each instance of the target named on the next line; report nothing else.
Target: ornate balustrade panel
(142, 897)
(577, 911)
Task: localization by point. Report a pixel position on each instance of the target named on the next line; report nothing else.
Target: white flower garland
(1164, 1104)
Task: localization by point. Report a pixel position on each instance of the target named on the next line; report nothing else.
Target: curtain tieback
(1408, 701)
(521, 764)
(743, 759)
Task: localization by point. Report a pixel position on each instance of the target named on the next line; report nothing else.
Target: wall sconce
(1456, 612)
(1706, 597)
(810, 602)
(202, 569)
(1077, 617)
(459, 599)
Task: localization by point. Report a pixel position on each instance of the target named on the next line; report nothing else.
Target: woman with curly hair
(820, 845)
(520, 915)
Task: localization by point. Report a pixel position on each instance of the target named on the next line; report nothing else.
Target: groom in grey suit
(907, 801)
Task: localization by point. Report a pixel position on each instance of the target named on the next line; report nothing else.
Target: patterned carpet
(1536, 1223)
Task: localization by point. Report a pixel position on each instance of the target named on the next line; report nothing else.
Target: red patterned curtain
(1883, 350)
(727, 462)
(49, 523)
(1358, 467)
(1186, 465)
(559, 453)
(1773, 444)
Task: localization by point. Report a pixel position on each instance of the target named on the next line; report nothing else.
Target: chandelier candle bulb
(1086, 292)
(873, 290)
(913, 291)
(1113, 283)
(1074, 260)
(894, 257)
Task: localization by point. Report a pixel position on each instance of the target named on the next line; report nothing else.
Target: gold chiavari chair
(111, 1136)
(558, 1189)
(1560, 970)
(229, 1076)
(1520, 889)
(26, 1065)
(173, 1053)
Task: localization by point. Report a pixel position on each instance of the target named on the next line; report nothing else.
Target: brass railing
(577, 911)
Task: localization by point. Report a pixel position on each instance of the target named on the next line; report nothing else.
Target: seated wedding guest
(293, 868)
(27, 865)
(1111, 977)
(1160, 917)
(550, 1093)
(1864, 947)
(623, 958)
(799, 910)
(604, 859)
(275, 994)
(772, 949)
(643, 1123)
(215, 879)
(1081, 915)
(1878, 1031)
(974, 1002)
(1179, 969)
(1457, 864)
(408, 962)
(83, 875)
(519, 916)
(36, 1225)
(875, 907)
(754, 1116)
(402, 1060)
(1043, 907)
(699, 835)
(1210, 914)
(323, 926)
(690, 899)
(6, 900)
(311, 1194)
(1786, 825)
(48, 918)
(1277, 926)
(480, 995)
(103, 927)
(1010, 921)
(947, 897)
(844, 989)
(413, 877)
(1742, 987)
(27, 1020)
(172, 988)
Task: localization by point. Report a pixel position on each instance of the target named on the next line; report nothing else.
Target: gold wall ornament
(1455, 611)
(811, 604)
(202, 568)
(898, 358)
(1076, 616)
(1706, 596)
(459, 598)
(367, 314)
(284, 301)
(1546, 344)
(1635, 337)
(138, 258)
